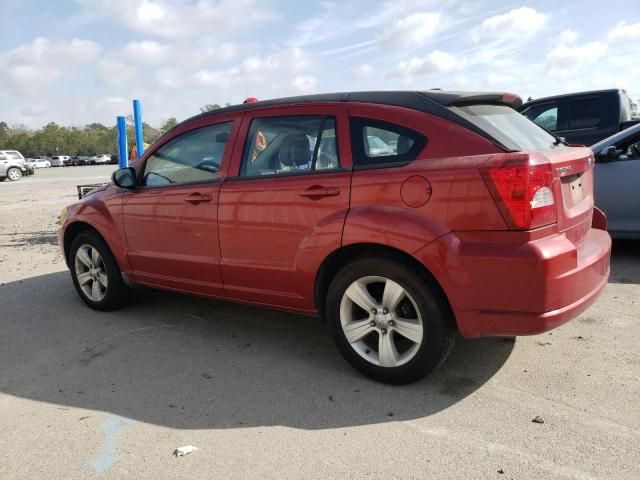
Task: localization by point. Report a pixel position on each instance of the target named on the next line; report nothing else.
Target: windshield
(508, 127)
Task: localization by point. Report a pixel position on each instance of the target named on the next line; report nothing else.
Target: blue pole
(137, 120)
(123, 161)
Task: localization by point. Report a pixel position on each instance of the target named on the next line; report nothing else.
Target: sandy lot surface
(265, 395)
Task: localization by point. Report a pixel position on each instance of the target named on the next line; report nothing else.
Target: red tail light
(523, 191)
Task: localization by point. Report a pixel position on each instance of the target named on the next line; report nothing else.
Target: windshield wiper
(558, 139)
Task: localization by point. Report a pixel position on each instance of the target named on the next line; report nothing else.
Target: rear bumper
(505, 288)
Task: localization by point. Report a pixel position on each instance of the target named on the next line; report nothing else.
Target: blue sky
(80, 61)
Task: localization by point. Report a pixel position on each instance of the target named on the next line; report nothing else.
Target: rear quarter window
(378, 143)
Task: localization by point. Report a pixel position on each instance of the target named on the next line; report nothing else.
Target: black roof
(434, 102)
(429, 101)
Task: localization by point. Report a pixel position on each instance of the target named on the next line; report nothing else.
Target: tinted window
(544, 115)
(194, 156)
(285, 145)
(585, 112)
(376, 142)
(508, 127)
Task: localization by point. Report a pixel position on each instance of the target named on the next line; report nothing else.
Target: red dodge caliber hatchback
(402, 218)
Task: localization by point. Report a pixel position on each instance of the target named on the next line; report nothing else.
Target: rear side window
(508, 127)
(377, 143)
(290, 145)
(192, 157)
(585, 113)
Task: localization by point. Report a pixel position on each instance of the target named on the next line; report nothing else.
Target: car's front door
(283, 206)
(617, 188)
(170, 219)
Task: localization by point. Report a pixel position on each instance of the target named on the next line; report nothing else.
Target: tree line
(92, 139)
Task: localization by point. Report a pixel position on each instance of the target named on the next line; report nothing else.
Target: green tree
(168, 125)
(209, 107)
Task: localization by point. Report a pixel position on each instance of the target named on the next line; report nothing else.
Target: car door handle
(196, 198)
(319, 191)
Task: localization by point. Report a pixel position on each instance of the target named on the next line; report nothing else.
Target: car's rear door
(283, 205)
(170, 219)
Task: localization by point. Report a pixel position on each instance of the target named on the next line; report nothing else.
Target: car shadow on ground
(625, 261)
(186, 362)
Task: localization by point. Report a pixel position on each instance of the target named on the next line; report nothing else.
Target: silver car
(12, 165)
(617, 181)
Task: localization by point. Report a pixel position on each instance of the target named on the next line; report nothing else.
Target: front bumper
(506, 289)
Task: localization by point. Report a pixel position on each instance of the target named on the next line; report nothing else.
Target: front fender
(400, 228)
(104, 216)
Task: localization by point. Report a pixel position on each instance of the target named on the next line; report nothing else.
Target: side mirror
(609, 153)
(124, 178)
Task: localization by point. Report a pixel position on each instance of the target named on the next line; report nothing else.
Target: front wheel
(389, 321)
(96, 274)
(14, 174)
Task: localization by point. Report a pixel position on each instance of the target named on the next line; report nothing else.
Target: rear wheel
(389, 321)
(14, 174)
(96, 274)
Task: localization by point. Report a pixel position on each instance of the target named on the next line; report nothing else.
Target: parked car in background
(103, 159)
(40, 162)
(479, 222)
(582, 118)
(61, 160)
(13, 165)
(617, 181)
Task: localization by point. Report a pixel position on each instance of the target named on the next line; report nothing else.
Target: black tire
(16, 172)
(117, 293)
(438, 323)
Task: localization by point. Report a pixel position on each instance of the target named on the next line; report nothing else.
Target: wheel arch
(72, 231)
(349, 253)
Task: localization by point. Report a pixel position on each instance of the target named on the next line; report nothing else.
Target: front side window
(376, 142)
(544, 115)
(289, 145)
(192, 157)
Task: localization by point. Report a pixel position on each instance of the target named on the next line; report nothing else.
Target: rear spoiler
(459, 99)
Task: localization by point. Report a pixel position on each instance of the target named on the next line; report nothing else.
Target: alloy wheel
(381, 321)
(91, 273)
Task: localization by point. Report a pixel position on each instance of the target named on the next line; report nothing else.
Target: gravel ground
(264, 394)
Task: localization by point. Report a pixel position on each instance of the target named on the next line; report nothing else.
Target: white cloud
(624, 30)
(363, 71)
(517, 24)
(568, 36)
(414, 30)
(43, 61)
(290, 67)
(180, 19)
(435, 62)
(304, 83)
(500, 79)
(564, 58)
(146, 52)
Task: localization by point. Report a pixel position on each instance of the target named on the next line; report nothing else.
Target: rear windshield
(508, 127)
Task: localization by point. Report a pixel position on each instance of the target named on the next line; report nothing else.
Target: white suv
(12, 165)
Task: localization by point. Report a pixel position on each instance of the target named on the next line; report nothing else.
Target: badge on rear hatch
(562, 170)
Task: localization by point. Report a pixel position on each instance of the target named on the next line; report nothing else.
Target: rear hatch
(573, 191)
(571, 168)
